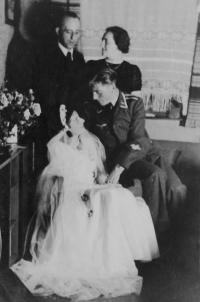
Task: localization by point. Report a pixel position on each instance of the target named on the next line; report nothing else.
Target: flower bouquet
(17, 113)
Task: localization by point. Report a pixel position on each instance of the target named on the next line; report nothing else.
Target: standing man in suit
(57, 76)
(119, 122)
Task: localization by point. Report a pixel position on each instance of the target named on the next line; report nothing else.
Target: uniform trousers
(162, 190)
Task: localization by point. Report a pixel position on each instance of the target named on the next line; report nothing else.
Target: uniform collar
(122, 100)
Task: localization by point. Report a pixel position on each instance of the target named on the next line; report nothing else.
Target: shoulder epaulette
(131, 97)
(125, 101)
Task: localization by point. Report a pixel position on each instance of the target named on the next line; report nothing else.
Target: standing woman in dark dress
(116, 42)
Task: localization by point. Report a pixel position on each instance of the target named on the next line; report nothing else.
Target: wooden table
(16, 190)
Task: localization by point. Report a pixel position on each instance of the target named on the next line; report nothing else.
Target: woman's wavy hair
(105, 76)
(121, 37)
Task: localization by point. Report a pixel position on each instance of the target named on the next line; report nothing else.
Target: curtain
(193, 117)
(163, 34)
(72, 5)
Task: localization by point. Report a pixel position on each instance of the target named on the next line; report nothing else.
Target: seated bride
(96, 229)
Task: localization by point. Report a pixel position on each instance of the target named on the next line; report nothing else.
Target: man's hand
(115, 174)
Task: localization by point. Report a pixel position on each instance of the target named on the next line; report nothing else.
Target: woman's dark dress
(129, 76)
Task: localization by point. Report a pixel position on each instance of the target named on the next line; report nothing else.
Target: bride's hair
(69, 113)
(74, 108)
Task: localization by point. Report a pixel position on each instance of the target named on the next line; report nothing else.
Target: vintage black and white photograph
(99, 150)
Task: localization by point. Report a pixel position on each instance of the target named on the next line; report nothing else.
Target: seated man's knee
(177, 202)
(158, 175)
(178, 195)
(154, 193)
(181, 191)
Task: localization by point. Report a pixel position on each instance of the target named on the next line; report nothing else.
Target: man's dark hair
(63, 15)
(105, 76)
(121, 37)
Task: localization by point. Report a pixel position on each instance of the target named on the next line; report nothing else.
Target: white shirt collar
(65, 50)
(113, 102)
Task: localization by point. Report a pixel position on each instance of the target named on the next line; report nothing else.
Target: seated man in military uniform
(119, 122)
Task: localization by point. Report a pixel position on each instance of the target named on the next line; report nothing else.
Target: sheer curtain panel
(163, 34)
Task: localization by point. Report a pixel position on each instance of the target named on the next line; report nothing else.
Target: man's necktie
(68, 58)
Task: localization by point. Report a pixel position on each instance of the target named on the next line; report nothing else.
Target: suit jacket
(55, 82)
(126, 140)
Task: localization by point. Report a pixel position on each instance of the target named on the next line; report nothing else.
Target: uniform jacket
(126, 140)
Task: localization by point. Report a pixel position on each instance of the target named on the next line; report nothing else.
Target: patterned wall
(6, 32)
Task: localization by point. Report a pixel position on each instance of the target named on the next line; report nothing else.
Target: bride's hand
(101, 179)
(115, 174)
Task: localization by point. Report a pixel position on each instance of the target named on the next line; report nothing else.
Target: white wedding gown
(89, 248)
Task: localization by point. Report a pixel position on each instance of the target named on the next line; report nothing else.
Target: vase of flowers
(17, 113)
(13, 136)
